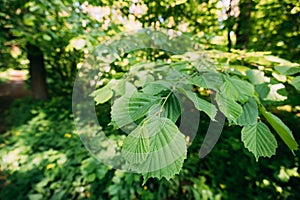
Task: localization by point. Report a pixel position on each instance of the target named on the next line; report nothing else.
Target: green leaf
(250, 113)
(263, 90)
(282, 130)
(102, 95)
(237, 89)
(167, 149)
(136, 146)
(296, 83)
(202, 105)
(156, 87)
(231, 109)
(172, 108)
(255, 76)
(288, 70)
(126, 110)
(213, 80)
(259, 140)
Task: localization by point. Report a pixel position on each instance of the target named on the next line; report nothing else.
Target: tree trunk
(244, 24)
(37, 72)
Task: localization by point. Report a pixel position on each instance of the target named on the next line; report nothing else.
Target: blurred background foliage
(43, 158)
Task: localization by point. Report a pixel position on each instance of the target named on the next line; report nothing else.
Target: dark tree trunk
(244, 24)
(37, 72)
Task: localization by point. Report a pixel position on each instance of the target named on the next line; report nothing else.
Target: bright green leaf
(102, 95)
(259, 140)
(167, 149)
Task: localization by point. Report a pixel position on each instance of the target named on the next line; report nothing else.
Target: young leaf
(231, 109)
(250, 113)
(202, 105)
(167, 149)
(102, 95)
(283, 131)
(259, 140)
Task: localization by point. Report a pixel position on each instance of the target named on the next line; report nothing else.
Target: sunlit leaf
(102, 95)
(273, 94)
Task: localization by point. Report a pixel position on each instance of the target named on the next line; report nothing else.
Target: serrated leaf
(167, 149)
(136, 146)
(250, 113)
(296, 83)
(231, 109)
(282, 130)
(237, 90)
(255, 76)
(102, 95)
(288, 70)
(126, 110)
(198, 81)
(259, 140)
(202, 104)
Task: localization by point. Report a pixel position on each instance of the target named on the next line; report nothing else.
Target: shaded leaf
(296, 83)
(283, 131)
(250, 113)
(231, 109)
(126, 110)
(288, 70)
(259, 140)
(167, 149)
(202, 104)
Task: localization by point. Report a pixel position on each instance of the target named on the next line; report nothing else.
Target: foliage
(43, 158)
(153, 104)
